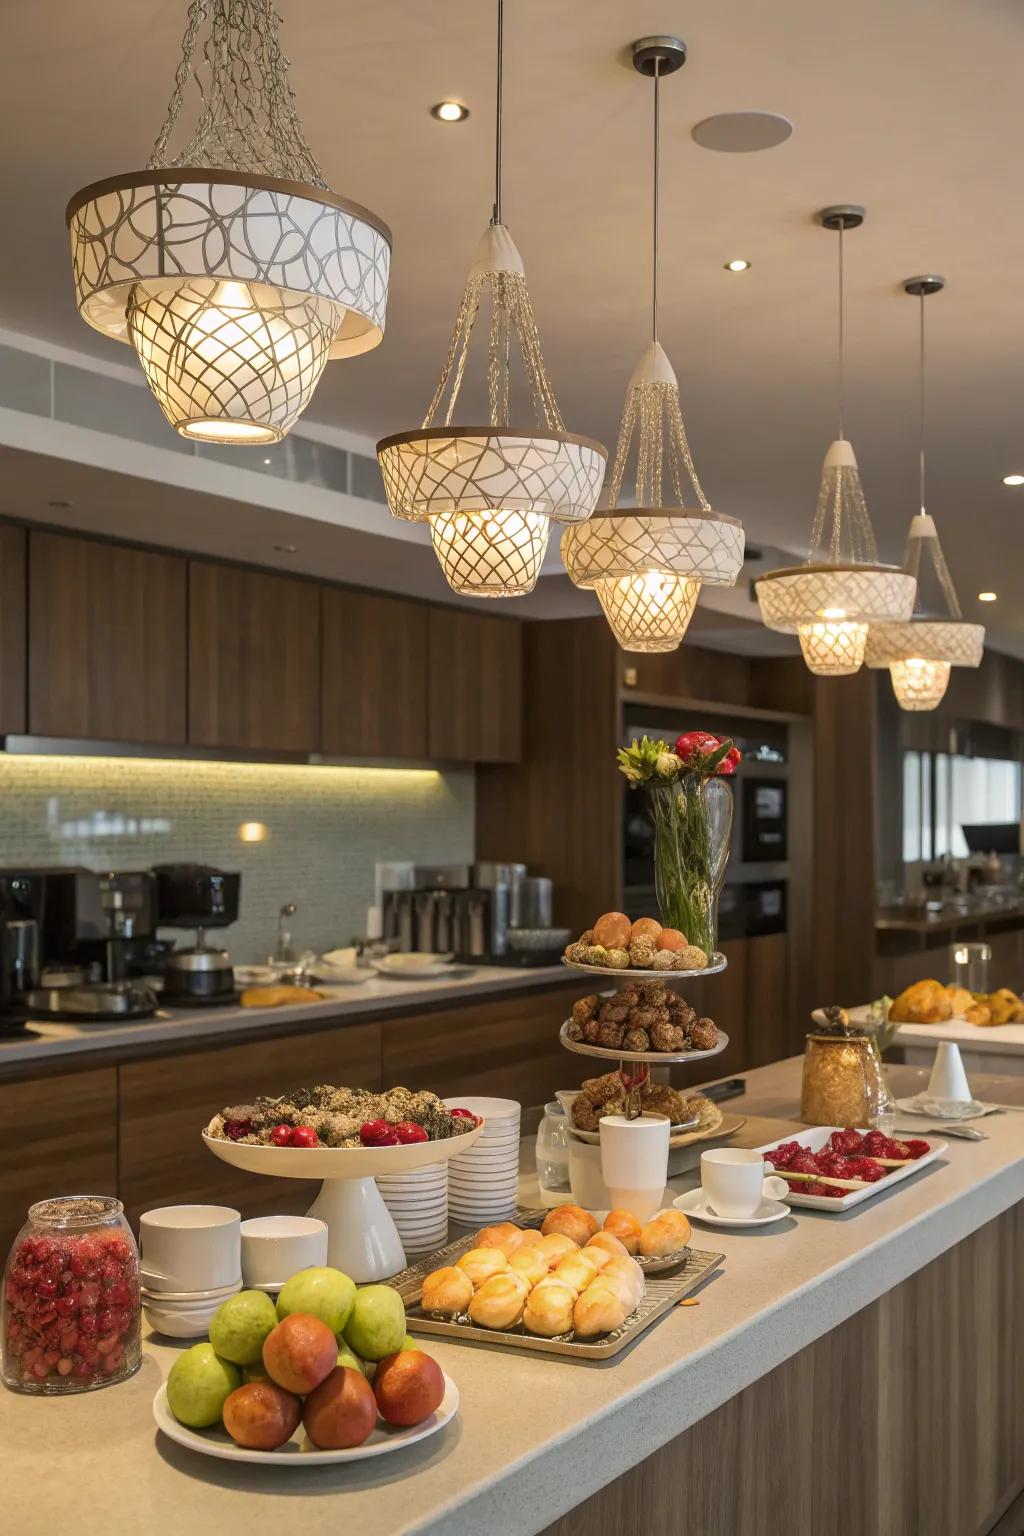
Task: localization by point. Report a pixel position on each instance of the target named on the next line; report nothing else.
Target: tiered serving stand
(362, 1237)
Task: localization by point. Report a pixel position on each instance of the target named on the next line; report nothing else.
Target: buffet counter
(878, 1352)
(997, 1048)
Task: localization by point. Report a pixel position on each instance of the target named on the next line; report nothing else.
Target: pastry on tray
(644, 1016)
(618, 943)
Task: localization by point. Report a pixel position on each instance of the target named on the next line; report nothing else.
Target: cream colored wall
(325, 827)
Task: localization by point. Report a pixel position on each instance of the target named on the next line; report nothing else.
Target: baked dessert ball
(624, 1226)
(665, 1233)
(529, 1263)
(554, 1248)
(481, 1263)
(500, 1301)
(629, 1272)
(549, 1308)
(598, 1310)
(448, 1291)
(607, 1243)
(572, 1222)
(577, 1270)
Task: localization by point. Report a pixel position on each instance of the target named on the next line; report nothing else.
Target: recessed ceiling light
(742, 133)
(738, 264)
(987, 597)
(449, 112)
(287, 549)
(266, 461)
(1013, 479)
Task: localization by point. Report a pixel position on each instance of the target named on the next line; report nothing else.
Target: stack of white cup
(418, 1202)
(189, 1262)
(483, 1183)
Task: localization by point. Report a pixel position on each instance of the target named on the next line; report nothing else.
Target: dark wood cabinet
(476, 687)
(106, 641)
(373, 675)
(253, 659)
(12, 628)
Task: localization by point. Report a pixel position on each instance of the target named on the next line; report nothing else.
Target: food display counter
(878, 1353)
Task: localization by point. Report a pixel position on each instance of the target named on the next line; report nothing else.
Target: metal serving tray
(661, 1295)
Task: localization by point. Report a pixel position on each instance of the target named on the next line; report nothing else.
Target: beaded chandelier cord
(490, 492)
(230, 266)
(647, 562)
(831, 599)
(920, 652)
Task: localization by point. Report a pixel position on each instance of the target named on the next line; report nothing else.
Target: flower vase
(692, 822)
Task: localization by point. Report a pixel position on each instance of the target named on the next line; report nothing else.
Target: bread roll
(628, 1270)
(600, 1254)
(448, 1291)
(481, 1263)
(548, 1310)
(554, 1248)
(623, 1288)
(624, 1226)
(665, 1233)
(503, 1235)
(529, 1237)
(608, 1243)
(577, 1270)
(572, 1221)
(599, 1310)
(533, 1266)
(500, 1300)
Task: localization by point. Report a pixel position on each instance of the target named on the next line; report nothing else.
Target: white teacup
(190, 1247)
(634, 1162)
(275, 1247)
(734, 1183)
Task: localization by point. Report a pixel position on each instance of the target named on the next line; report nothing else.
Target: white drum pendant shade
(490, 492)
(231, 267)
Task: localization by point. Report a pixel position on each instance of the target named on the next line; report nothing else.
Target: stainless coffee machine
(464, 910)
(198, 897)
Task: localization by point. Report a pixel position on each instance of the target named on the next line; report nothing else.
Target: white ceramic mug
(734, 1183)
(190, 1247)
(275, 1247)
(634, 1162)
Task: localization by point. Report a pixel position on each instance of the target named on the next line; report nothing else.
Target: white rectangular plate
(815, 1138)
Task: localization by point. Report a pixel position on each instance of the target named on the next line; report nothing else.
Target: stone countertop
(45, 1041)
(901, 920)
(534, 1435)
(992, 1039)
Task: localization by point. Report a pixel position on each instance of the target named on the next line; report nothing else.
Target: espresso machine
(197, 897)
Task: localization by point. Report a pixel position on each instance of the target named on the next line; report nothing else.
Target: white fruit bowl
(362, 1237)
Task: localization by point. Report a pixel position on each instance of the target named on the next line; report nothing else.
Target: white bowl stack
(418, 1202)
(483, 1183)
(190, 1261)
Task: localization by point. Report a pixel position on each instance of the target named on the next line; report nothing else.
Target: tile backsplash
(304, 833)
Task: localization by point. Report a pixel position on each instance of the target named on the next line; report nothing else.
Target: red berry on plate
(918, 1148)
(304, 1136)
(281, 1136)
(408, 1132)
(236, 1129)
(378, 1133)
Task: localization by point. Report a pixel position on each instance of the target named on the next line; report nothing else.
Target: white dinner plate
(695, 1205)
(298, 1451)
(815, 1138)
(939, 1109)
(417, 967)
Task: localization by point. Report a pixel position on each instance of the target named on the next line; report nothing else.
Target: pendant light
(646, 562)
(231, 267)
(920, 652)
(489, 492)
(841, 589)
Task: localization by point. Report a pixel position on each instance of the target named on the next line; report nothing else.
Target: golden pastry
(497, 1236)
(624, 1226)
(926, 1002)
(665, 1233)
(530, 1237)
(960, 1000)
(481, 1263)
(600, 1254)
(447, 1290)
(607, 1242)
(548, 1310)
(571, 1221)
(278, 996)
(629, 1271)
(500, 1300)
(599, 1310)
(623, 1287)
(577, 1270)
(554, 1248)
(533, 1266)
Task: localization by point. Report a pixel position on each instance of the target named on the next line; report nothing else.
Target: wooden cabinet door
(57, 1137)
(476, 687)
(106, 641)
(12, 628)
(253, 659)
(164, 1105)
(373, 675)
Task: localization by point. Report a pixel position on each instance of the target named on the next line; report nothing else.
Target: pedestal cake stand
(362, 1237)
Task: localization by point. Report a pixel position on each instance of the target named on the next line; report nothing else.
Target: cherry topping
(408, 1131)
(304, 1136)
(281, 1136)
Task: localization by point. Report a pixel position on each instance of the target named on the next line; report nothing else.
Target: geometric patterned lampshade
(919, 684)
(492, 553)
(833, 649)
(231, 267)
(648, 612)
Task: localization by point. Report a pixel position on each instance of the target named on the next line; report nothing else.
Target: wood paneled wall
(906, 1420)
(13, 708)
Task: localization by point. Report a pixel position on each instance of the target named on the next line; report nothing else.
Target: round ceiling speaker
(742, 133)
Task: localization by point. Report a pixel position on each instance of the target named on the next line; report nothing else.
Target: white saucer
(940, 1109)
(694, 1203)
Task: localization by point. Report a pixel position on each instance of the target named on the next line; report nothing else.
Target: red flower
(694, 748)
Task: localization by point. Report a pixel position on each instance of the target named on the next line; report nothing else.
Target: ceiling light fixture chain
(499, 101)
(657, 195)
(841, 390)
(249, 121)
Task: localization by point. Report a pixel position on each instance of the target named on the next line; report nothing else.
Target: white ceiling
(912, 109)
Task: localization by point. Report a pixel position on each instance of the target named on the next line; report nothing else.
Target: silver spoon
(965, 1132)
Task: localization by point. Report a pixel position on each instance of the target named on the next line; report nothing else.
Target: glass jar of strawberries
(70, 1318)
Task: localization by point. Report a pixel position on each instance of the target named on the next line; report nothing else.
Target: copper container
(839, 1073)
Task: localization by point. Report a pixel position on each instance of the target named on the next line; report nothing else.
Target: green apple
(198, 1384)
(408, 1342)
(376, 1326)
(326, 1293)
(348, 1357)
(240, 1325)
(255, 1372)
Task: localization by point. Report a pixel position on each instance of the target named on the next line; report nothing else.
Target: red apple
(261, 1416)
(300, 1352)
(341, 1412)
(408, 1386)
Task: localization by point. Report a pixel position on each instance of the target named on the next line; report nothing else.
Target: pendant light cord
(842, 380)
(657, 190)
(496, 219)
(921, 401)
